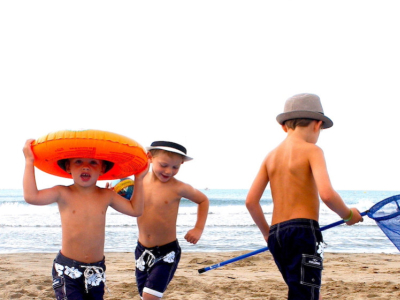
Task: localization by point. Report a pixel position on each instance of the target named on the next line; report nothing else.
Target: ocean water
(29, 228)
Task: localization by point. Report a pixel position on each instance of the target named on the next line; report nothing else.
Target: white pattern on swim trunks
(141, 262)
(72, 272)
(321, 246)
(170, 257)
(59, 268)
(94, 276)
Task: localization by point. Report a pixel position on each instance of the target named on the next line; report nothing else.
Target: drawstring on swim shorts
(141, 263)
(151, 259)
(94, 276)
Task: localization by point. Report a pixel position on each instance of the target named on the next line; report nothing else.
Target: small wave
(22, 209)
(29, 226)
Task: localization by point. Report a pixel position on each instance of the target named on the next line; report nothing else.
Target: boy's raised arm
(31, 194)
(135, 206)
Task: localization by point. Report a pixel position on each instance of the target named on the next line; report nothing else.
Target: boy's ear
(103, 168)
(150, 157)
(67, 166)
(318, 125)
(284, 128)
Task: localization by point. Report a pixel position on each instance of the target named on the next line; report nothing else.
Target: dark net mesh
(386, 214)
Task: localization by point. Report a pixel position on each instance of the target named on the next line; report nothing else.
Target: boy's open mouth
(85, 176)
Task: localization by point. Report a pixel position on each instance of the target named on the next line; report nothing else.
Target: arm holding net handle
(341, 222)
(262, 249)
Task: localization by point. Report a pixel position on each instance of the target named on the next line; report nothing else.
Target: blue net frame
(386, 214)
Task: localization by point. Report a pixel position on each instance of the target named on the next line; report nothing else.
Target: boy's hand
(109, 186)
(28, 150)
(142, 174)
(266, 237)
(193, 235)
(356, 217)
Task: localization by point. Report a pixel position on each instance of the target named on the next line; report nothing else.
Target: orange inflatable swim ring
(123, 156)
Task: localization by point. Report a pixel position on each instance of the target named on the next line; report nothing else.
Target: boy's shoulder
(178, 185)
(295, 150)
(183, 189)
(298, 144)
(61, 188)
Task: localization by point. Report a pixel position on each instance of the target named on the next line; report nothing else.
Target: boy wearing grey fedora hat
(297, 172)
(158, 252)
(304, 106)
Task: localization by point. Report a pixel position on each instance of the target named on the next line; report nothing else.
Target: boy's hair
(62, 164)
(293, 123)
(154, 153)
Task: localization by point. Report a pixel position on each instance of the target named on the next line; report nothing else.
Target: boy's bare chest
(158, 218)
(160, 195)
(81, 207)
(161, 203)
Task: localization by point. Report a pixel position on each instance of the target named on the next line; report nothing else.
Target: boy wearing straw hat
(298, 176)
(158, 252)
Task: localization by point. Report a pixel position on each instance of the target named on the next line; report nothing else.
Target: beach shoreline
(345, 276)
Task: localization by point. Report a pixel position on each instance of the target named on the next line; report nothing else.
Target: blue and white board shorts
(155, 267)
(74, 280)
(297, 247)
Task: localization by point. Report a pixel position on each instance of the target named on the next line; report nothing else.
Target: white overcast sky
(211, 75)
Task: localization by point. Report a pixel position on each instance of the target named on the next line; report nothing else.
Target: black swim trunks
(155, 267)
(297, 247)
(75, 280)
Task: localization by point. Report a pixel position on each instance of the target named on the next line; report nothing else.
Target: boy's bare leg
(149, 297)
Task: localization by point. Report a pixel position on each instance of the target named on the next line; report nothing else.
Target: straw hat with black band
(171, 147)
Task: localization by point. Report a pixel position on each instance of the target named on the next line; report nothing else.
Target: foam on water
(29, 228)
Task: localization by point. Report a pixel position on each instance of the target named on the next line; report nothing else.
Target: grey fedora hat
(304, 106)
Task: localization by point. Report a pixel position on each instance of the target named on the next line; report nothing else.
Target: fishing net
(386, 214)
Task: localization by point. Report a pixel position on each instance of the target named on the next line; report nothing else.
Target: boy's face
(85, 171)
(165, 166)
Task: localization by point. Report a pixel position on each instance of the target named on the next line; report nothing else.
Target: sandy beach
(345, 276)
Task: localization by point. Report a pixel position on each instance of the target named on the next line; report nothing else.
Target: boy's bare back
(297, 173)
(296, 169)
(288, 165)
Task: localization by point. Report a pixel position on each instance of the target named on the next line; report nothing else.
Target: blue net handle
(377, 212)
(386, 209)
